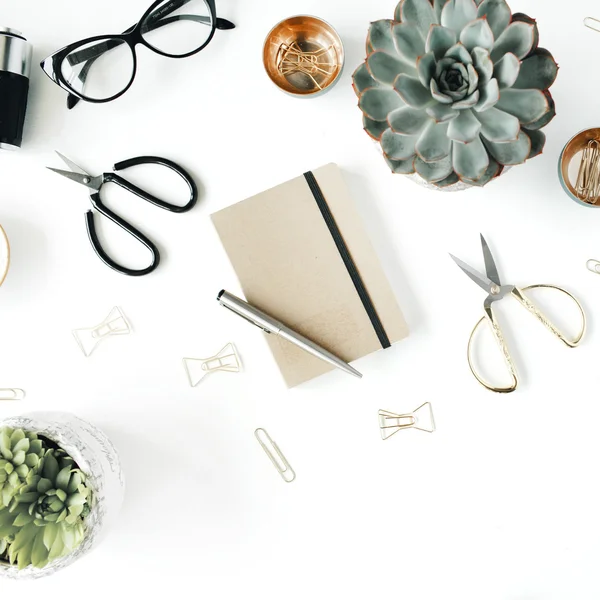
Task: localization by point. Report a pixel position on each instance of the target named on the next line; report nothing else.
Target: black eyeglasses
(102, 68)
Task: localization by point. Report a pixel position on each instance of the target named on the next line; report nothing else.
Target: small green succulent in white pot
(60, 482)
(456, 91)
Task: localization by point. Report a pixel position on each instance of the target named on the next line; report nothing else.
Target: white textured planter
(97, 458)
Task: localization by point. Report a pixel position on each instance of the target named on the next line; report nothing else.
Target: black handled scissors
(95, 184)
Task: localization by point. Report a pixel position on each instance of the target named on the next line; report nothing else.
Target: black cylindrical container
(15, 65)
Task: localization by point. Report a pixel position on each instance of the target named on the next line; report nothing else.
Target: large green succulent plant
(456, 90)
(45, 518)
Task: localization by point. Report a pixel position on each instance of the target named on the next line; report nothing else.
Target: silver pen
(274, 327)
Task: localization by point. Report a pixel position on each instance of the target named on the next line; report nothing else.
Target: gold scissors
(496, 291)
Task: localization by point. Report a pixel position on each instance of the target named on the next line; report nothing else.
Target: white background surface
(500, 503)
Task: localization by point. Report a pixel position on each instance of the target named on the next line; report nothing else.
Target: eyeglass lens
(178, 27)
(99, 70)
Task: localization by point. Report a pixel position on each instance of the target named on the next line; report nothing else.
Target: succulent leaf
(434, 171)
(539, 71)
(459, 53)
(441, 113)
(489, 94)
(385, 68)
(527, 105)
(363, 80)
(397, 146)
(437, 94)
(401, 167)
(457, 13)
(494, 169)
(374, 128)
(511, 153)
(438, 5)
(469, 101)
(440, 40)
(518, 38)
(417, 12)
(450, 180)
(538, 141)
(477, 34)
(498, 126)
(547, 117)
(497, 14)
(380, 36)
(410, 44)
(523, 18)
(426, 68)
(506, 70)
(378, 104)
(412, 92)
(408, 120)
(434, 144)
(470, 161)
(473, 79)
(483, 64)
(465, 128)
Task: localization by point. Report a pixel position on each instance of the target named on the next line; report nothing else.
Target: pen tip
(220, 294)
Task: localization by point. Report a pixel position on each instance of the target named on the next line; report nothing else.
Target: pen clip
(239, 314)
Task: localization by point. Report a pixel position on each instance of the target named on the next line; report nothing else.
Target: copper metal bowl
(303, 56)
(569, 161)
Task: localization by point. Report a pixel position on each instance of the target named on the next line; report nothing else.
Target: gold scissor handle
(539, 315)
(499, 337)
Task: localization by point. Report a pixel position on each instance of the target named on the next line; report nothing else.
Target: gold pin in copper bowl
(579, 167)
(303, 56)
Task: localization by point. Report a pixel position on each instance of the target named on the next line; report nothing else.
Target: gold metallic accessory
(226, 360)
(303, 55)
(587, 186)
(115, 324)
(421, 418)
(496, 291)
(274, 453)
(592, 23)
(593, 265)
(291, 60)
(4, 255)
(579, 167)
(10, 394)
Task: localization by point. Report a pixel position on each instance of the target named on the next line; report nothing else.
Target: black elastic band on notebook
(347, 258)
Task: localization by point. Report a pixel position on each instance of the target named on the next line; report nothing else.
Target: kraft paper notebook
(302, 256)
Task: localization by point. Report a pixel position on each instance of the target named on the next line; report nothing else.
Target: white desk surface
(502, 502)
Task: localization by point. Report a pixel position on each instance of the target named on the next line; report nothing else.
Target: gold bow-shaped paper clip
(421, 418)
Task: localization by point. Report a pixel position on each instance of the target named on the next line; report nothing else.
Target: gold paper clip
(391, 423)
(591, 23)
(227, 360)
(10, 394)
(593, 265)
(587, 186)
(274, 453)
(114, 324)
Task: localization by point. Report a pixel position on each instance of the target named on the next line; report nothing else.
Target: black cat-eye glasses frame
(155, 17)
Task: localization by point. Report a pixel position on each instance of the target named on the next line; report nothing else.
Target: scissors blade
(74, 167)
(490, 264)
(93, 183)
(481, 280)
